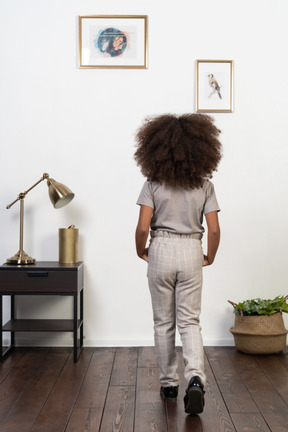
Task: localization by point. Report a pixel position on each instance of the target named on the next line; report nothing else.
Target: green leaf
(261, 307)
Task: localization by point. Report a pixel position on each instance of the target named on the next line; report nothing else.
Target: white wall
(78, 125)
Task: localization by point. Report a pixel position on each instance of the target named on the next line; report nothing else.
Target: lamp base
(21, 257)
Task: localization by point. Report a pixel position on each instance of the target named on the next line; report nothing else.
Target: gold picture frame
(214, 86)
(113, 41)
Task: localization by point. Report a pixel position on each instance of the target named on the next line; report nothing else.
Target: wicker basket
(259, 334)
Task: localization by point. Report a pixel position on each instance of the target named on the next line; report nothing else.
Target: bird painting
(214, 84)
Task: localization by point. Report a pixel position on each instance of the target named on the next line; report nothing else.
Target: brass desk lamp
(59, 194)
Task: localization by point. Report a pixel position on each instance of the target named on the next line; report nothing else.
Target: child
(177, 155)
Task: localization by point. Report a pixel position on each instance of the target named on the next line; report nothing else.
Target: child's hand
(205, 262)
(145, 254)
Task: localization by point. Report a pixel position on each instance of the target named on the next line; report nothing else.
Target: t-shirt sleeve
(145, 197)
(211, 203)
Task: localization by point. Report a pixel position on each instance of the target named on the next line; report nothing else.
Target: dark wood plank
(268, 400)
(24, 412)
(84, 420)
(276, 373)
(19, 378)
(147, 357)
(57, 410)
(283, 357)
(233, 390)
(95, 385)
(42, 389)
(89, 406)
(245, 422)
(215, 417)
(150, 410)
(125, 367)
(10, 361)
(119, 409)
(177, 419)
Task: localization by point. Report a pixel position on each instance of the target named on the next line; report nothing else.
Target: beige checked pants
(175, 283)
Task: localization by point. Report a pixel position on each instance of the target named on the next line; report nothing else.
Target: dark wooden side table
(43, 278)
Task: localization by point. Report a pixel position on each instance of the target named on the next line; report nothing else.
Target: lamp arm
(23, 194)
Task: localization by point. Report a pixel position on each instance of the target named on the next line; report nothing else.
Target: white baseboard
(48, 340)
(150, 342)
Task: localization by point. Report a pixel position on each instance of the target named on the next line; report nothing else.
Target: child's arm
(213, 237)
(142, 231)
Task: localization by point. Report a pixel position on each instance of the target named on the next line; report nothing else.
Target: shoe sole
(195, 401)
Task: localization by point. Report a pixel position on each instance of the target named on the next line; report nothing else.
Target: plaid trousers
(175, 283)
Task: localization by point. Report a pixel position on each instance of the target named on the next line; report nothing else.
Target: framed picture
(214, 86)
(113, 41)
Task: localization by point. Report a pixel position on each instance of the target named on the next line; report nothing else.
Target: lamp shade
(59, 194)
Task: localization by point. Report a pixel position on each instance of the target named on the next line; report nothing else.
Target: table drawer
(39, 281)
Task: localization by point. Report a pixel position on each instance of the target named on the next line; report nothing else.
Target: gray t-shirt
(177, 209)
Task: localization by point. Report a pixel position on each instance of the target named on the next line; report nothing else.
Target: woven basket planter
(259, 334)
(263, 334)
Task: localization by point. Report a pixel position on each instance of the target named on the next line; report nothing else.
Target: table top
(41, 265)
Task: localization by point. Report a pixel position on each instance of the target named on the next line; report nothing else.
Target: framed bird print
(113, 41)
(214, 86)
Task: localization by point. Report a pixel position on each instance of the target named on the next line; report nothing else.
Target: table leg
(12, 314)
(1, 322)
(75, 325)
(81, 319)
(4, 349)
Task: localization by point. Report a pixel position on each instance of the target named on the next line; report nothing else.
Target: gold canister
(68, 245)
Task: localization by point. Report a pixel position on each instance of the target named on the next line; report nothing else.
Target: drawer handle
(37, 273)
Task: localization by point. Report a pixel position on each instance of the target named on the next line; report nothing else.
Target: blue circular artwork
(111, 42)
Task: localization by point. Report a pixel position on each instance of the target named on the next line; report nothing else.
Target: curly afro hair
(178, 150)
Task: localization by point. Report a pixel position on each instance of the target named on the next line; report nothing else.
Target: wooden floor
(112, 390)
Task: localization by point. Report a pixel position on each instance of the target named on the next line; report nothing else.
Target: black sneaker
(169, 394)
(194, 398)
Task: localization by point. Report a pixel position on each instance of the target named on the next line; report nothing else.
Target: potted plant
(259, 327)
